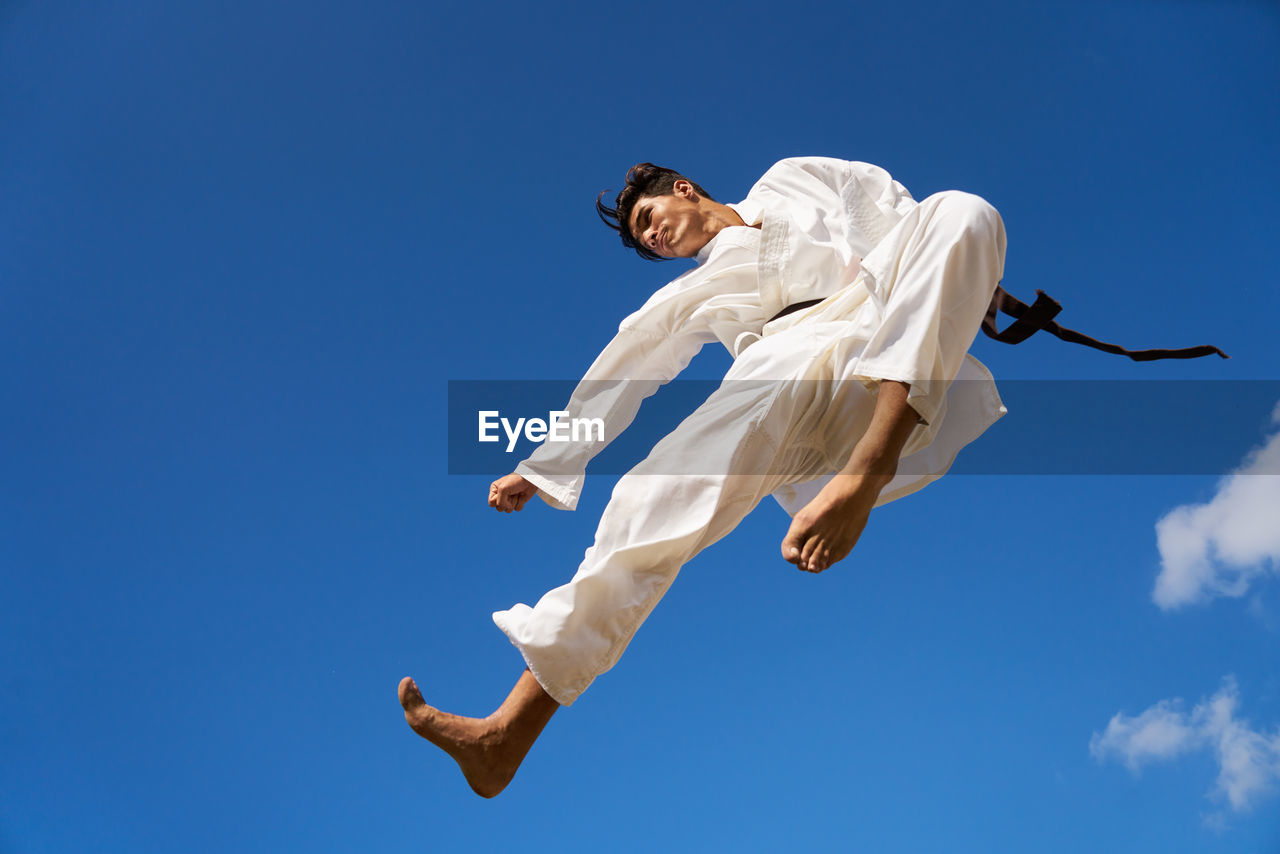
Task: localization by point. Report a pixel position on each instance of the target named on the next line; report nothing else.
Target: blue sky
(245, 246)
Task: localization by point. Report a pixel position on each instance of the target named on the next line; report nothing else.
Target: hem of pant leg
(922, 403)
(560, 695)
(991, 391)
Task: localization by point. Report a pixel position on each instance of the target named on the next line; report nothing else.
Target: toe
(808, 552)
(410, 696)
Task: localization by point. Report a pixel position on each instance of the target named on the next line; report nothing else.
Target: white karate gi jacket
(828, 232)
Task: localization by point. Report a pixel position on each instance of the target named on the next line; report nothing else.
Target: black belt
(1039, 315)
(795, 306)
(1029, 319)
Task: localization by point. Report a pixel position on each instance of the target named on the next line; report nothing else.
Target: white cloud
(1248, 759)
(1222, 547)
(1161, 732)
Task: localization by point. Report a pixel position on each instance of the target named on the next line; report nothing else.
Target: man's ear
(684, 189)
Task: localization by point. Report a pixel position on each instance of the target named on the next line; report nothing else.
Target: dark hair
(643, 179)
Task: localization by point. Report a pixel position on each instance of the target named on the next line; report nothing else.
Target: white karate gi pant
(790, 410)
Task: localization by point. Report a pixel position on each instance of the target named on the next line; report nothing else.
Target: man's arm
(828, 527)
(652, 346)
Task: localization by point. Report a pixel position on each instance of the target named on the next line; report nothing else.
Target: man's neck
(721, 216)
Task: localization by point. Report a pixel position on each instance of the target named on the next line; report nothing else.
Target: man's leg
(936, 273)
(488, 750)
(579, 630)
(666, 510)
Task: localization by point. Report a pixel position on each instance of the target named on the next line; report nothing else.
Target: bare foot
(488, 750)
(827, 528)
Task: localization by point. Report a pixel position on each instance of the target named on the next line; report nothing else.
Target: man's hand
(510, 493)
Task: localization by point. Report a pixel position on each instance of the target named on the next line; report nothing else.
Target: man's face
(672, 226)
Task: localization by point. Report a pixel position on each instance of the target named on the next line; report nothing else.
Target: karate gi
(903, 286)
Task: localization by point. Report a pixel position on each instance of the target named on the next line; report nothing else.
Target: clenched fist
(510, 493)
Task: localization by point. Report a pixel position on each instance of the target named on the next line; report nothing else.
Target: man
(849, 308)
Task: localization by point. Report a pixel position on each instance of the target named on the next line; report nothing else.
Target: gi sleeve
(641, 358)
